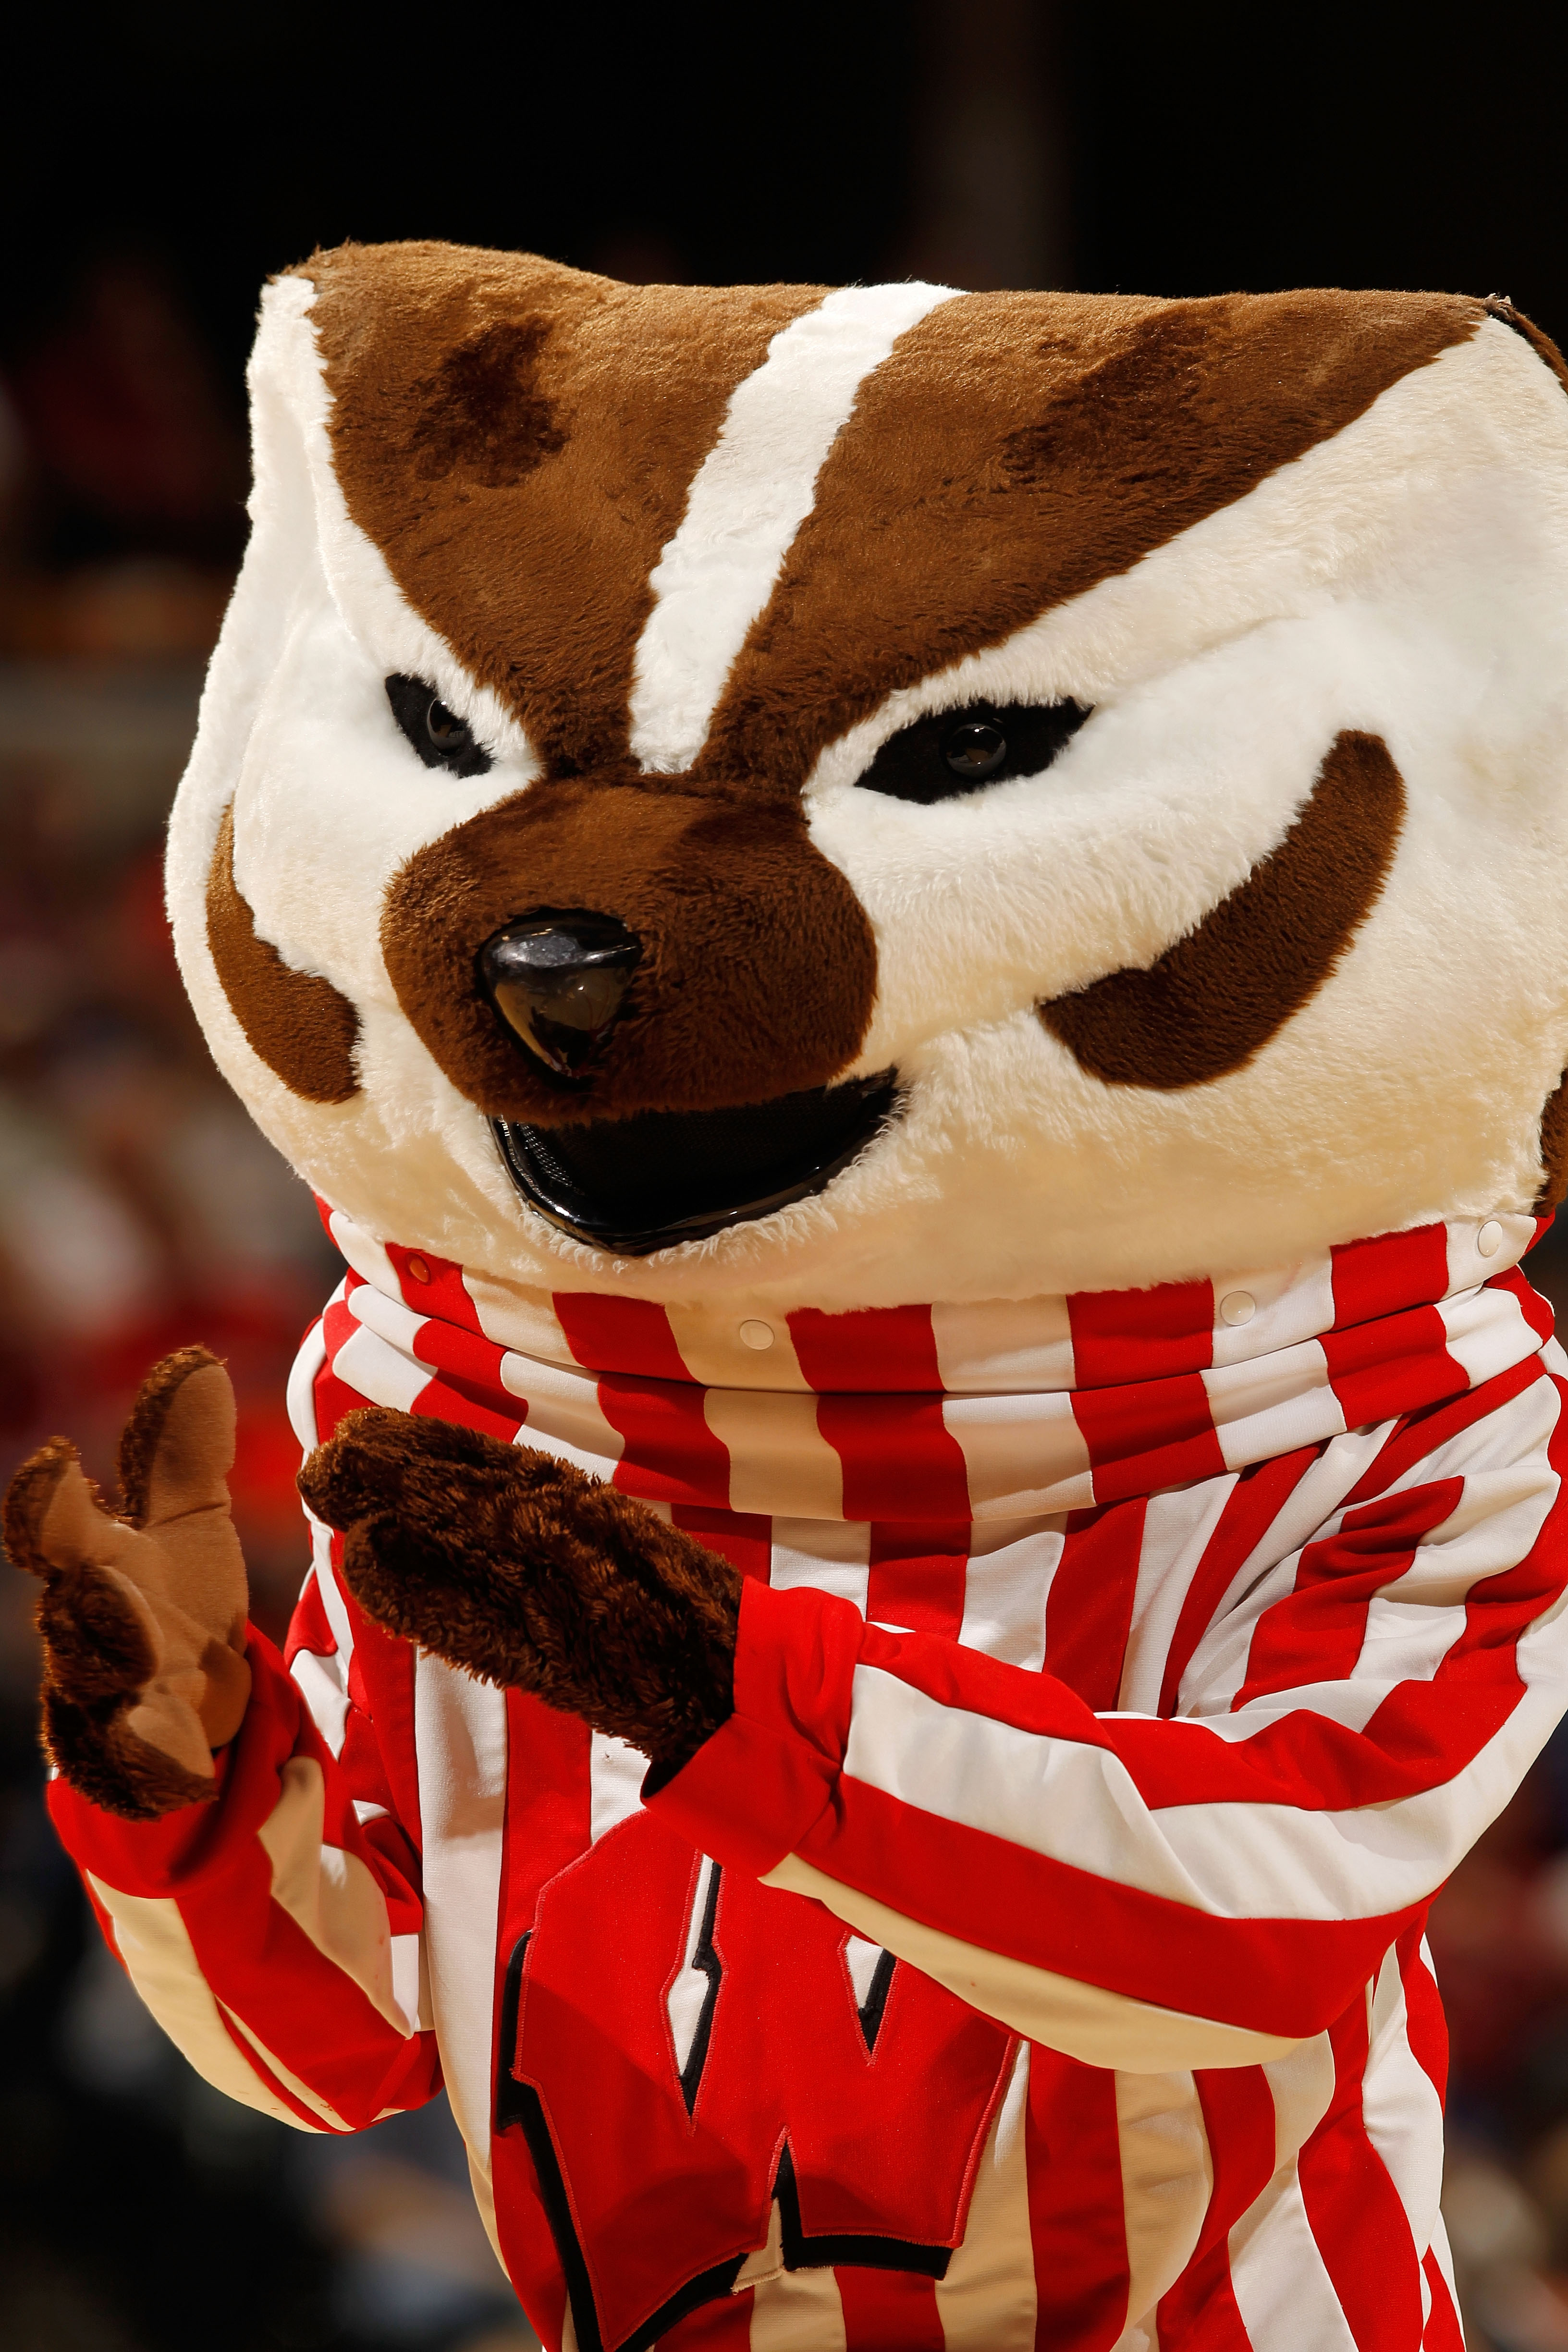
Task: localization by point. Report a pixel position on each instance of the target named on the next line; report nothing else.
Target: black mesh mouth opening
(639, 1184)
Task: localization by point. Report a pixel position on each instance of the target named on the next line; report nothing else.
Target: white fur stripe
(749, 497)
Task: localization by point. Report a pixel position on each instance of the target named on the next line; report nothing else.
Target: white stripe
(323, 1684)
(460, 1746)
(1079, 1803)
(1023, 1457)
(616, 1774)
(829, 1555)
(302, 1389)
(1004, 1346)
(1006, 1591)
(382, 1374)
(1486, 1333)
(779, 1460)
(1467, 1266)
(749, 497)
(1402, 2113)
(1167, 2174)
(154, 1944)
(1282, 2290)
(1095, 2027)
(564, 1416)
(690, 1986)
(986, 2302)
(328, 1893)
(1177, 1528)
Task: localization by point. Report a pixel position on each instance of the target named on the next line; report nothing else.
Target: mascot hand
(142, 1616)
(519, 1568)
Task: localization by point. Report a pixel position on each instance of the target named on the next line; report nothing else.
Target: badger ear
(296, 1021)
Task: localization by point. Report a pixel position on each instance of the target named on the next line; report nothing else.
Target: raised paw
(519, 1569)
(142, 1615)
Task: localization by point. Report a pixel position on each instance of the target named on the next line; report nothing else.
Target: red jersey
(1036, 1957)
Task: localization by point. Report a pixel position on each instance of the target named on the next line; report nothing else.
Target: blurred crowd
(141, 2211)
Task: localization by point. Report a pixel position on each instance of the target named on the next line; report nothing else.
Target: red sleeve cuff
(753, 1791)
(196, 1842)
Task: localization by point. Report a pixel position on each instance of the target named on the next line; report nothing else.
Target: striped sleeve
(1209, 1887)
(275, 1932)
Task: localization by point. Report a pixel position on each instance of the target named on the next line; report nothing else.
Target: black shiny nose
(557, 979)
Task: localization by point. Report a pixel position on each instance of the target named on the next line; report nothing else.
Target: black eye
(441, 739)
(957, 751)
(974, 749)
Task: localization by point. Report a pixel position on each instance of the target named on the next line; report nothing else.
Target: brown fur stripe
(1213, 999)
(1015, 449)
(518, 439)
(296, 1021)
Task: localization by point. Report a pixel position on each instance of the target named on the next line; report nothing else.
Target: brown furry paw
(519, 1568)
(142, 1616)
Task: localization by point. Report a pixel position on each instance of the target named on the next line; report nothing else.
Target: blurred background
(157, 164)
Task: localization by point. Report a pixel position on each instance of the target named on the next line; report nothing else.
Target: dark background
(155, 166)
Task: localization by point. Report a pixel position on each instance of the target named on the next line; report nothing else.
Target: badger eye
(441, 739)
(957, 751)
(974, 751)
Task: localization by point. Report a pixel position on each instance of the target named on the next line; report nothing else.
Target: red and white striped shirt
(1036, 1958)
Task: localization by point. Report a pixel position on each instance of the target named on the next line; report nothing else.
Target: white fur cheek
(1158, 809)
(330, 801)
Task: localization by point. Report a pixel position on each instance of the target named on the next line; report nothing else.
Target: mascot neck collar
(1001, 1409)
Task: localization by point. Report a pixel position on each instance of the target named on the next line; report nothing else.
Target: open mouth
(639, 1184)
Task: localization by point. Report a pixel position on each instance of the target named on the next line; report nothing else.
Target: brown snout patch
(758, 967)
(1215, 999)
(300, 1024)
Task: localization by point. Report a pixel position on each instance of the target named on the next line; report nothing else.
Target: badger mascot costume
(916, 942)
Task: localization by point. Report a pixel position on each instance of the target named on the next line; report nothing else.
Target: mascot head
(888, 794)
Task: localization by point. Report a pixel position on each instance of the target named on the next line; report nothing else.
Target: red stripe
(1424, 1731)
(1390, 1272)
(264, 2074)
(742, 1538)
(1284, 1977)
(1444, 2333)
(309, 1628)
(900, 1459)
(1088, 1610)
(1380, 1370)
(873, 1348)
(918, 1574)
(1073, 2160)
(1427, 2028)
(1254, 1504)
(1200, 2312)
(1536, 1310)
(1148, 1434)
(1316, 1633)
(332, 1398)
(670, 1454)
(888, 2311)
(434, 1286)
(1355, 2211)
(1422, 1432)
(1141, 1335)
(619, 1335)
(448, 1400)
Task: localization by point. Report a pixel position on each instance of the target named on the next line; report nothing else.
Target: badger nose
(558, 982)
